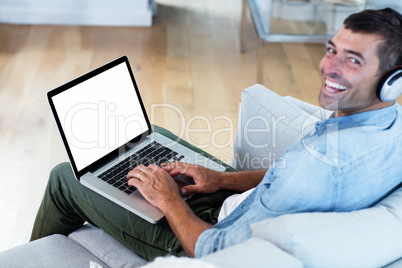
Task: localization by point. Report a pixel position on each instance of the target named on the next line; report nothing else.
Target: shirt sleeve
(214, 239)
(203, 246)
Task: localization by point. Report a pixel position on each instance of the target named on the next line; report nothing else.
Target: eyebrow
(358, 54)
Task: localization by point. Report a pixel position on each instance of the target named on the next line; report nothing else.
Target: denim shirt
(347, 163)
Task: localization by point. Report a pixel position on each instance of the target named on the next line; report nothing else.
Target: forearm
(240, 181)
(185, 224)
(209, 181)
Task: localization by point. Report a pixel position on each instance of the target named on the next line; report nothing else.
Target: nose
(332, 67)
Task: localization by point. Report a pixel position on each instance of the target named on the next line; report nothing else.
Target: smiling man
(350, 73)
(356, 170)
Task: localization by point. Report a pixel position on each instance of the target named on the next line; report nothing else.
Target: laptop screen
(99, 113)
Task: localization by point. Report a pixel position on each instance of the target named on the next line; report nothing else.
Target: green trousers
(67, 205)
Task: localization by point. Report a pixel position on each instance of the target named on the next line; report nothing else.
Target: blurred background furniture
(83, 12)
(307, 21)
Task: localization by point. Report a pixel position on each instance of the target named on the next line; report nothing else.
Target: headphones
(390, 85)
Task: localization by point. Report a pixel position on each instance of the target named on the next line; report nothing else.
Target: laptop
(106, 132)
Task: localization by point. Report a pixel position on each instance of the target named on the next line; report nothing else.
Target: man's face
(350, 73)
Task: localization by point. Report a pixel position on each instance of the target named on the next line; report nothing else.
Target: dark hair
(386, 23)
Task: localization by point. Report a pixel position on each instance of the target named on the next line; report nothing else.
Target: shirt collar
(380, 118)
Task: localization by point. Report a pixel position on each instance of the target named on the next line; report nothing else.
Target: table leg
(243, 26)
(260, 61)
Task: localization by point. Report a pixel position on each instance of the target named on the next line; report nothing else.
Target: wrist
(171, 204)
(225, 180)
(240, 181)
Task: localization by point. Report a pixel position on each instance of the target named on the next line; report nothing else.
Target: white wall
(78, 12)
(396, 4)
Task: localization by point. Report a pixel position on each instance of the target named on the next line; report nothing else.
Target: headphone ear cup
(390, 85)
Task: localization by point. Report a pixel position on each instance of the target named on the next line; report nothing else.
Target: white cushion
(254, 253)
(366, 238)
(176, 262)
(268, 124)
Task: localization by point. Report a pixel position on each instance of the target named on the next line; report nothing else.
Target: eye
(354, 61)
(331, 50)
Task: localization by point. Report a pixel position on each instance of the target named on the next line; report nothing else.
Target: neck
(379, 105)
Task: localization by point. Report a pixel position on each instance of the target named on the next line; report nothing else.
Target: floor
(188, 68)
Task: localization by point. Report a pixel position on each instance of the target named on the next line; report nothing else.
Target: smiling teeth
(335, 85)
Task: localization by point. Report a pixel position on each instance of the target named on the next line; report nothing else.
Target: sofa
(268, 123)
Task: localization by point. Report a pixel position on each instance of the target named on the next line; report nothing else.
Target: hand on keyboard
(206, 180)
(155, 184)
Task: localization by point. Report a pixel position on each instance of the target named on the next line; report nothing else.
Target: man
(360, 170)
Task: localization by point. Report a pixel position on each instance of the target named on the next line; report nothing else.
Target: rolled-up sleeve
(230, 231)
(214, 239)
(206, 242)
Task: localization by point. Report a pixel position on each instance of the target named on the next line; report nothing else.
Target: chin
(327, 103)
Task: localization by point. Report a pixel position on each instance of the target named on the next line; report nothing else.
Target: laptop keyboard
(154, 153)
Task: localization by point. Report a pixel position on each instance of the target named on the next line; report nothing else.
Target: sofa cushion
(179, 262)
(268, 124)
(106, 248)
(254, 252)
(51, 251)
(365, 238)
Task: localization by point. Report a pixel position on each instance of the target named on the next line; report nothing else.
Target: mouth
(334, 87)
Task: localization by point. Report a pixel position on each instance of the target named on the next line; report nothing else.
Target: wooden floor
(188, 68)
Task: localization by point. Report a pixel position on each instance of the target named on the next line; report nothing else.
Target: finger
(140, 173)
(191, 170)
(173, 165)
(176, 168)
(133, 173)
(154, 168)
(147, 173)
(134, 182)
(190, 189)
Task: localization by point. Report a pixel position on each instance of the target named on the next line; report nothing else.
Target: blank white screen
(100, 114)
